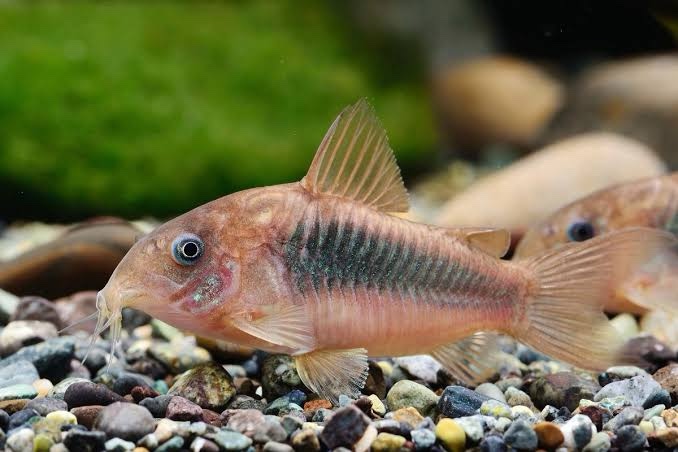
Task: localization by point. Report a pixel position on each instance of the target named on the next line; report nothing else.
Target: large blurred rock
(637, 98)
(495, 100)
(527, 191)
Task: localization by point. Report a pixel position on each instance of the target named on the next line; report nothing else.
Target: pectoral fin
(330, 373)
(287, 327)
(472, 359)
(493, 241)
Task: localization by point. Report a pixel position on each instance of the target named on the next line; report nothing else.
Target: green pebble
(161, 386)
(42, 443)
(20, 391)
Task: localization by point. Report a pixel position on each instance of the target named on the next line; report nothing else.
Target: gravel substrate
(172, 395)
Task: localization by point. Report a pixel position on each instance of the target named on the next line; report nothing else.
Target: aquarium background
(151, 108)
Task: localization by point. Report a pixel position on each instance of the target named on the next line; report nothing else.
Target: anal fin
(330, 373)
(471, 359)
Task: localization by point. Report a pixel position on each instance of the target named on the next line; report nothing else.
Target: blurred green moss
(153, 108)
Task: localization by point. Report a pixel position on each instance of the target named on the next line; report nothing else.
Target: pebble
(174, 444)
(451, 435)
(491, 390)
(180, 409)
(42, 386)
(423, 439)
(19, 391)
(375, 383)
(279, 376)
(12, 406)
(118, 445)
(406, 393)
(631, 415)
(626, 325)
(635, 389)
(549, 435)
(457, 401)
(269, 430)
(378, 406)
(203, 445)
(408, 416)
(473, 427)
(8, 306)
(86, 393)
(125, 420)
(85, 441)
(62, 417)
(600, 442)
(208, 385)
(51, 358)
(658, 397)
(305, 440)
(179, 355)
(629, 438)
(514, 396)
(59, 389)
(127, 381)
(495, 408)
(345, 428)
(243, 402)
(21, 417)
(19, 372)
(387, 442)
(87, 415)
(421, 367)
(521, 436)
(274, 446)
(37, 308)
(24, 332)
(157, 405)
(20, 441)
(577, 432)
(243, 421)
(562, 389)
(232, 441)
(493, 443)
(668, 436)
(667, 377)
(521, 412)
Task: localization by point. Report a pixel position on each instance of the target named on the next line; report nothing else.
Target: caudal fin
(563, 314)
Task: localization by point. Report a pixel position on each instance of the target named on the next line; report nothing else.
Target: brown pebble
(139, 393)
(313, 405)
(212, 418)
(14, 405)
(181, 409)
(550, 436)
(408, 415)
(668, 436)
(598, 415)
(128, 398)
(86, 415)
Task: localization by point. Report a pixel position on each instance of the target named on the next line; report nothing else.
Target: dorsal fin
(355, 161)
(495, 242)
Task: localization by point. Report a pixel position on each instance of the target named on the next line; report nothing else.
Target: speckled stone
(406, 393)
(562, 389)
(345, 428)
(207, 385)
(457, 401)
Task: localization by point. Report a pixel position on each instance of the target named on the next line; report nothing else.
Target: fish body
(321, 270)
(649, 202)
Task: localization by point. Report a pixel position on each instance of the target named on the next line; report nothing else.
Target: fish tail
(562, 314)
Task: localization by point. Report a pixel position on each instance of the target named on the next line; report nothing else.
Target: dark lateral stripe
(344, 255)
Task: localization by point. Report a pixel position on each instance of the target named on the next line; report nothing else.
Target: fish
(528, 190)
(647, 202)
(321, 269)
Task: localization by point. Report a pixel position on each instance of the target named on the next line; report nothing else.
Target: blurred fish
(525, 192)
(81, 258)
(320, 270)
(652, 203)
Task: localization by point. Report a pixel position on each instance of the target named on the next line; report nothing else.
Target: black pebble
(4, 420)
(629, 439)
(86, 393)
(658, 397)
(21, 417)
(458, 401)
(84, 441)
(124, 384)
(157, 405)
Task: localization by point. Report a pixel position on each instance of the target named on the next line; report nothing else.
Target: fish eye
(580, 231)
(187, 249)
